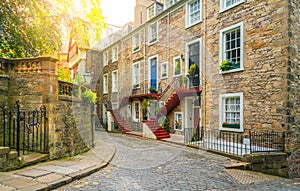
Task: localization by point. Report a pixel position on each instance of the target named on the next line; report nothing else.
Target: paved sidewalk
(52, 174)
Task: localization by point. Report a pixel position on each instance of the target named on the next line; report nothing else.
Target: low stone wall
(3, 89)
(72, 131)
(9, 159)
(269, 163)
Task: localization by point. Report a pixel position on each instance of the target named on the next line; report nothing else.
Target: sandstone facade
(266, 81)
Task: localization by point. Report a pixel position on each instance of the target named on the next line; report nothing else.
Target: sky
(118, 12)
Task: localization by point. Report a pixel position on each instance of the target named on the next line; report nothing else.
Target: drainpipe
(145, 89)
(204, 61)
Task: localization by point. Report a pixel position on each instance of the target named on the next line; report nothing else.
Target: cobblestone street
(143, 164)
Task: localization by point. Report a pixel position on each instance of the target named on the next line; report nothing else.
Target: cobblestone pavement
(143, 164)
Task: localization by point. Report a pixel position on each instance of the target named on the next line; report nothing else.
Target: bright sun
(118, 12)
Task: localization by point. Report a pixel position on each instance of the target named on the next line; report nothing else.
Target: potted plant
(152, 89)
(192, 70)
(136, 48)
(145, 107)
(228, 65)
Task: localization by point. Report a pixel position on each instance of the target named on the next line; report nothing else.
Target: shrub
(89, 96)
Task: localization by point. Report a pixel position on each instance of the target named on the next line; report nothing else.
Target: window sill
(152, 42)
(135, 51)
(163, 78)
(114, 61)
(240, 130)
(231, 71)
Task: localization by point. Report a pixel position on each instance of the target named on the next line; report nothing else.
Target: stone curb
(105, 158)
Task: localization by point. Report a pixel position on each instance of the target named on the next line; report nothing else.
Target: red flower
(3, 51)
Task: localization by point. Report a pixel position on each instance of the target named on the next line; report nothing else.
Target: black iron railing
(266, 141)
(24, 131)
(236, 143)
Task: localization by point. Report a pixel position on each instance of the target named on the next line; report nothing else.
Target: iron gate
(24, 131)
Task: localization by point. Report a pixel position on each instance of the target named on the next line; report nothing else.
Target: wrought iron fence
(267, 141)
(235, 143)
(25, 131)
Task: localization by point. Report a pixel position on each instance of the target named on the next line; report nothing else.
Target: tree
(38, 27)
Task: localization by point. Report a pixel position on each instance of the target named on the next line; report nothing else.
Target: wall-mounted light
(181, 56)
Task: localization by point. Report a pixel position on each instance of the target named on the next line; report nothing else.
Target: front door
(153, 72)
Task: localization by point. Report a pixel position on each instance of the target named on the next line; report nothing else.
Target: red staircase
(121, 122)
(159, 132)
(175, 99)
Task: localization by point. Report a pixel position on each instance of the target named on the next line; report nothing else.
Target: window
(193, 12)
(177, 66)
(231, 112)
(136, 111)
(231, 48)
(151, 11)
(164, 70)
(227, 4)
(178, 121)
(169, 3)
(136, 42)
(136, 75)
(105, 83)
(105, 58)
(114, 105)
(152, 33)
(193, 55)
(115, 81)
(115, 54)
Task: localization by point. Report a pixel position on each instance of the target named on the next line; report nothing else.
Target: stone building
(227, 66)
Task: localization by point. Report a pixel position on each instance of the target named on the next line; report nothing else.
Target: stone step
(34, 158)
(4, 150)
(239, 165)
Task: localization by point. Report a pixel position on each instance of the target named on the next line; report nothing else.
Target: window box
(234, 126)
(152, 41)
(136, 48)
(229, 65)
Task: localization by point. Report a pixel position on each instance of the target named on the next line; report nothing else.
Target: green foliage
(145, 103)
(225, 65)
(64, 74)
(177, 67)
(89, 96)
(36, 28)
(166, 124)
(152, 89)
(192, 69)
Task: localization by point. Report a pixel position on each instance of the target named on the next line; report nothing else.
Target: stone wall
(34, 83)
(72, 131)
(3, 90)
(293, 84)
(269, 163)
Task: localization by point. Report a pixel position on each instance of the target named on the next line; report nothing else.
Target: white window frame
(153, 6)
(188, 14)
(222, 55)
(114, 56)
(223, 5)
(134, 117)
(169, 3)
(105, 58)
(176, 114)
(152, 40)
(135, 83)
(222, 98)
(136, 42)
(174, 66)
(161, 70)
(105, 83)
(114, 77)
(199, 40)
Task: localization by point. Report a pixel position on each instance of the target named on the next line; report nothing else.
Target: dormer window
(169, 3)
(153, 10)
